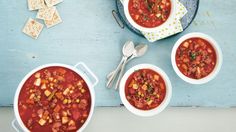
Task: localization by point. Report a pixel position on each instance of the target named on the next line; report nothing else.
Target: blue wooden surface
(90, 34)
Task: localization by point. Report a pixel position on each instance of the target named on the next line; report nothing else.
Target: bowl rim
(219, 58)
(83, 76)
(151, 112)
(145, 29)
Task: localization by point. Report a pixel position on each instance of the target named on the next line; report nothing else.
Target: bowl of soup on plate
(148, 15)
(145, 90)
(196, 58)
(54, 97)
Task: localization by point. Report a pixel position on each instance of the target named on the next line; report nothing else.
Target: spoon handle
(121, 74)
(111, 73)
(113, 76)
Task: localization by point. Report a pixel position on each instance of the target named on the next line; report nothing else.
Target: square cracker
(35, 4)
(46, 13)
(52, 2)
(32, 28)
(55, 20)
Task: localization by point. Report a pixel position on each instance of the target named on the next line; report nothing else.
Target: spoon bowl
(139, 51)
(127, 51)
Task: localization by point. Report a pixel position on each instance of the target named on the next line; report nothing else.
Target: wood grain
(89, 33)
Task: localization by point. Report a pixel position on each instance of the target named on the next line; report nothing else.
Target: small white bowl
(219, 58)
(145, 29)
(159, 108)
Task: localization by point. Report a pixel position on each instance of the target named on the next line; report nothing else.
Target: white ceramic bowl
(159, 108)
(145, 29)
(73, 68)
(219, 58)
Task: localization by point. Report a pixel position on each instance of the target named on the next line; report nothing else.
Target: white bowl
(159, 108)
(73, 68)
(145, 29)
(219, 58)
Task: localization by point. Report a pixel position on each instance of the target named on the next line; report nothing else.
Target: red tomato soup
(195, 58)
(149, 13)
(145, 89)
(54, 99)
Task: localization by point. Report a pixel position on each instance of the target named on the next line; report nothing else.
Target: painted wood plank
(89, 34)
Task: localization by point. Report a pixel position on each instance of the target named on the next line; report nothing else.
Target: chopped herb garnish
(192, 56)
(149, 6)
(150, 89)
(159, 7)
(145, 18)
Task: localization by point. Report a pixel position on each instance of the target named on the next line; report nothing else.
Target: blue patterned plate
(191, 6)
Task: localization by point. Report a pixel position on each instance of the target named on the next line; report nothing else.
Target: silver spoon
(127, 51)
(140, 50)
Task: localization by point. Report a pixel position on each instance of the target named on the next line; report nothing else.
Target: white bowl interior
(92, 92)
(159, 108)
(219, 58)
(144, 29)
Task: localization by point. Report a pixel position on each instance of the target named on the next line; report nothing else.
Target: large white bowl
(145, 29)
(159, 108)
(219, 58)
(81, 72)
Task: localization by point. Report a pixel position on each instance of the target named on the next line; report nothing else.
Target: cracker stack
(46, 12)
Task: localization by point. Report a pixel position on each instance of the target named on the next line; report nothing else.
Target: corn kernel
(65, 101)
(82, 90)
(77, 100)
(139, 93)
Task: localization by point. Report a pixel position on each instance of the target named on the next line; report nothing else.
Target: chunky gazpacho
(195, 58)
(145, 89)
(54, 99)
(149, 13)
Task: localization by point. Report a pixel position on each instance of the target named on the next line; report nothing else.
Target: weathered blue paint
(90, 34)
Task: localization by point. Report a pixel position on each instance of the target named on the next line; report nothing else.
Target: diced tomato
(76, 114)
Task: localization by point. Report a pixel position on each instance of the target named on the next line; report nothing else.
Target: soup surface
(195, 58)
(149, 13)
(145, 89)
(54, 99)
